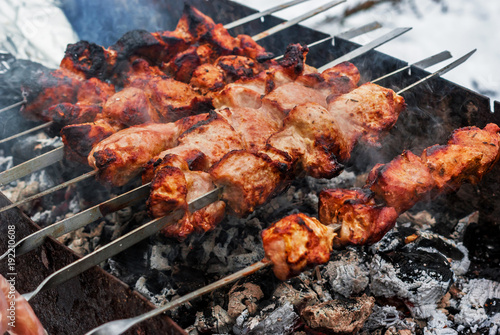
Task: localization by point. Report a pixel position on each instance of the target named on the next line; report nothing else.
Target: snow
(455, 25)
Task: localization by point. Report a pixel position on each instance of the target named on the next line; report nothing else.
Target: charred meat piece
(295, 243)
(47, 89)
(402, 182)
(249, 179)
(362, 220)
(369, 111)
(120, 157)
(89, 60)
(79, 139)
(174, 186)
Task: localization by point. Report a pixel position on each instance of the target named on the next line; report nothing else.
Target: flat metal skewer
(440, 72)
(32, 165)
(119, 326)
(345, 35)
(50, 190)
(369, 46)
(424, 63)
(266, 12)
(26, 132)
(120, 244)
(81, 219)
(296, 20)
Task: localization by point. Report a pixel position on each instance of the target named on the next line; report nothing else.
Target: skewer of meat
(29, 243)
(298, 242)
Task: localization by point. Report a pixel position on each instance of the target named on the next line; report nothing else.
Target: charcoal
(418, 278)
(387, 316)
(280, 321)
(243, 297)
(218, 322)
(339, 316)
(348, 275)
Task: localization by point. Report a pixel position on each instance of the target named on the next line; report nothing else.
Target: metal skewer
(81, 219)
(120, 244)
(345, 35)
(26, 132)
(32, 165)
(424, 63)
(19, 103)
(440, 72)
(296, 20)
(266, 12)
(361, 50)
(119, 326)
(154, 226)
(50, 190)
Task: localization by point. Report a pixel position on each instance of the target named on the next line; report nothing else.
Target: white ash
(421, 292)
(42, 217)
(461, 227)
(157, 259)
(348, 275)
(472, 306)
(387, 316)
(281, 321)
(439, 324)
(6, 162)
(344, 180)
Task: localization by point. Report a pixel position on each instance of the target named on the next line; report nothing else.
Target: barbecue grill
(435, 109)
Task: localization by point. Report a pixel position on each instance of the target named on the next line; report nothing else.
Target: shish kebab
(231, 25)
(196, 40)
(57, 154)
(156, 225)
(358, 216)
(34, 240)
(99, 210)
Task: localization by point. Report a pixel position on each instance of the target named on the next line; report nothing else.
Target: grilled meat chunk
(120, 157)
(362, 221)
(249, 179)
(368, 111)
(402, 182)
(47, 89)
(174, 186)
(295, 243)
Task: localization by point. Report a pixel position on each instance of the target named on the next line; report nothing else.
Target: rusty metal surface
(82, 303)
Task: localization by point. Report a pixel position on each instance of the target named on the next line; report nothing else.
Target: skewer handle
(120, 326)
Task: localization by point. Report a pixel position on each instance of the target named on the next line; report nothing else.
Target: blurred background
(39, 30)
